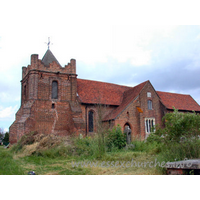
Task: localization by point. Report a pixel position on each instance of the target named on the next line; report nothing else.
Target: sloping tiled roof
(179, 101)
(95, 92)
(128, 96)
(49, 58)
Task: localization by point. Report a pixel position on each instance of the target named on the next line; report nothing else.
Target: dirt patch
(36, 142)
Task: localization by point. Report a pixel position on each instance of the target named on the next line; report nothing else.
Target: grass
(52, 155)
(13, 164)
(8, 165)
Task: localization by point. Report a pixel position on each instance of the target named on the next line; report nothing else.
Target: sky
(121, 42)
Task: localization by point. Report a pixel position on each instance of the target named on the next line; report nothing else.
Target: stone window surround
(149, 122)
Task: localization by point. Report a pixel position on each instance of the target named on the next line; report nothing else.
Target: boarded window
(54, 90)
(91, 121)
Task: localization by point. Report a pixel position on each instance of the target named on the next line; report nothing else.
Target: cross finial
(48, 43)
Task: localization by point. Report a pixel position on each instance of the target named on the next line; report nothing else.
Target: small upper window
(149, 94)
(149, 104)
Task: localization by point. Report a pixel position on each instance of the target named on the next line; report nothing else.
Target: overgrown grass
(51, 155)
(57, 160)
(8, 165)
(31, 154)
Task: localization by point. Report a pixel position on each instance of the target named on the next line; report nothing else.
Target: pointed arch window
(91, 121)
(54, 90)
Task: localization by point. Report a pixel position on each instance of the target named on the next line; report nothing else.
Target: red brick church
(54, 100)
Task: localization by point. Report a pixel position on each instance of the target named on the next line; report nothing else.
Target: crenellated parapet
(49, 64)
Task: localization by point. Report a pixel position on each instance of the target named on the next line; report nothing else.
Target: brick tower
(48, 99)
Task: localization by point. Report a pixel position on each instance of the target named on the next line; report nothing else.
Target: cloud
(8, 113)
(173, 64)
(5, 130)
(107, 41)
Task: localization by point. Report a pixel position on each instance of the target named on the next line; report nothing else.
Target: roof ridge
(174, 93)
(179, 101)
(105, 83)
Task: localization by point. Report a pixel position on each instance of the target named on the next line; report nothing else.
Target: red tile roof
(179, 101)
(95, 92)
(128, 96)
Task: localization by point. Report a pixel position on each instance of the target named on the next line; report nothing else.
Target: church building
(54, 100)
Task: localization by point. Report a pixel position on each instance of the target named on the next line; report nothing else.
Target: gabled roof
(49, 58)
(128, 96)
(179, 101)
(95, 92)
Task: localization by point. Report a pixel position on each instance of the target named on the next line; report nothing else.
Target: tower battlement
(49, 64)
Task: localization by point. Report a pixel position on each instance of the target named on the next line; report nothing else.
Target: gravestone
(127, 131)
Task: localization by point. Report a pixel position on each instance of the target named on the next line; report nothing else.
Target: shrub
(88, 147)
(115, 139)
(6, 138)
(180, 137)
(149, 147)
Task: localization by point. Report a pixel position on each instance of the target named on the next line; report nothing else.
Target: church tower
(48, 99)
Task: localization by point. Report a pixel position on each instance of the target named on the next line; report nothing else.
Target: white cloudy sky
(122, 42)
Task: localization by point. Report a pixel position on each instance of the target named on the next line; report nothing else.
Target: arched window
(54, 90)
(91, 121)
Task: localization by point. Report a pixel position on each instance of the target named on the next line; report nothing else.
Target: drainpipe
(140, 129)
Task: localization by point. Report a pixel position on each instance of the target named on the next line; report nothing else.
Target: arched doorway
(127, 131)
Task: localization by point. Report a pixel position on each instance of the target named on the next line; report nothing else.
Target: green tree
(6, 138)
(1, 134)
(180, 137)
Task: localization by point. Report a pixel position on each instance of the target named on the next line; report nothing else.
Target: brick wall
(99, 111)
(136, 119)
(38, 111)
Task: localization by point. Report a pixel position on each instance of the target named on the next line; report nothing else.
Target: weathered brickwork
(54, 100)
(135, 118)
(100, 111)
(39, 111)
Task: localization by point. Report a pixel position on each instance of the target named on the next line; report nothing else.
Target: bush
(115, 139)
(149, 147)
(6, 138)
(179, 138)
